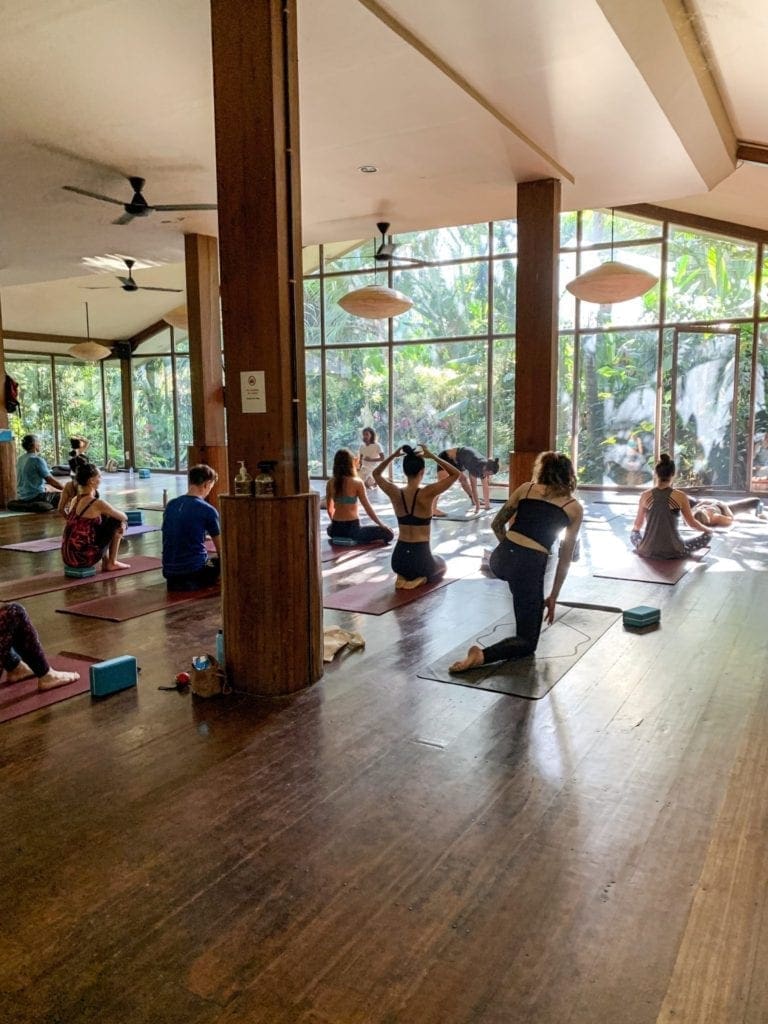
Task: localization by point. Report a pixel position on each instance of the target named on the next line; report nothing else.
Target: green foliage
(153, 410)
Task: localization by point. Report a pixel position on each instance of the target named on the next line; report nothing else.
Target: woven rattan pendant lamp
(375, 302)
(612, 281)
(89, 351)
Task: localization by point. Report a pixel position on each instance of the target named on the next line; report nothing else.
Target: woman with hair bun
(527, 527)
(342, 494)
(94, 528)
(472, 466)
(659, 510)
(412, 559)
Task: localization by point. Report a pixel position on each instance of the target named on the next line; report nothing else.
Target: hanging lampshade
(177, 318)
(89, 351)
(375, 302)
(611, 282)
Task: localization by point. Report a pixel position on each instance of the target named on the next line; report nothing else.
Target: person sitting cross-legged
(186, 522)
(21, 653)
(32, 476)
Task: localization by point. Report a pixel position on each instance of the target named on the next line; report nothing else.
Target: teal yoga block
(642, 615)
(113, 675)
(343, 542)
(144, 474)
(79, 574)
(135, 517)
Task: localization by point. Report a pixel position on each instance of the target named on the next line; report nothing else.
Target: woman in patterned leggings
(21, 653)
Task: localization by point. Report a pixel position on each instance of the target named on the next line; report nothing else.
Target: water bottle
(201, 662)
(220, 647)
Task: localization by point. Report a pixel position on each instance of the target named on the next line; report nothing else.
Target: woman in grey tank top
(659, 510)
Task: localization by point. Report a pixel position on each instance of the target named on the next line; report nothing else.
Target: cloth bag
(210, 681)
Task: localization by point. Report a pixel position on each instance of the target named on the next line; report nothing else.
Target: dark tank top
(540, 520)
(409, 519)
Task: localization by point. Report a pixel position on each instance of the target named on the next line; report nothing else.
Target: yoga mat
(616, 501)
(5, 514)
(375, 597)
(457, 516)
(648, 570)
(152, 508)
(121, 607)
(560, 647)
(45, 583)
(53, 543)
(19, 699)
(340, 553)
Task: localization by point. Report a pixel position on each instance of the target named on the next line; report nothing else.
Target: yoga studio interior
(240, 233)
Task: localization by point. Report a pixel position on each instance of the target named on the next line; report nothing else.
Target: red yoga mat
(52, 543)
(19, 699)
(376, 597)
(46, 582)
(648, 570)
(121, 607)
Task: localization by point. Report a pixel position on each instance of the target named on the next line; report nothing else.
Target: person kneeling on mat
(186, 521)
(21, 653)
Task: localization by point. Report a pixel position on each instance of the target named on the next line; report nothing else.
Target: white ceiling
(454, 102)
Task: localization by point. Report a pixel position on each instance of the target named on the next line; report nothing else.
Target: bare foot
(401, 583)
(16, 675)
(474, 659)
(112, 566)
(52, 679)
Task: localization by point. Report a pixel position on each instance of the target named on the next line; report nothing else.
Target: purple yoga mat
(375, 597)
(19, 699)
(649, 570)
(52, 543)
(46, 583)
(132, 604)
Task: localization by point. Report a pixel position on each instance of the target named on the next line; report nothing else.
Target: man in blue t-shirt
(32, 474)
(186, 522)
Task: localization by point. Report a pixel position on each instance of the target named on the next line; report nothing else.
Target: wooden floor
(382, 849)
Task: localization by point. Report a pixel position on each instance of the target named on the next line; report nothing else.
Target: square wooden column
(277, 601)
(536, 348)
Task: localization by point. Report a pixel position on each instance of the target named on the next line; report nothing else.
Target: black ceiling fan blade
(97, 287)
(125, 219)
(126, 280)
(172, 207)
(91, 195)
(150, 288)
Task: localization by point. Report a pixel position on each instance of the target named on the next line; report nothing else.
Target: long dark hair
(665, 468)
(413, 464)
(343, 466)
(555, 470)
(371, 433)
(85, 473)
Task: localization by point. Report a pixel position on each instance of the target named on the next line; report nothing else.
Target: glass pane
(665, 427)
(343, 328)
(448, 302)
(445, 243)
(565, 367)
(313, 371)
(180, 340)
(440, 395)
(35, 415)
(764, 286)
(642, 310)
(704, 400)
(183, 408)
(79, 407)
(357, 255)
(569, 224)
(503, 405)
(743, 406)
(357, 396)
(504, 296)
(760, 439)
(617, 407)
(113, 390)
(159, 343)
(599, 226)
(153, 413)
(567, 306)
(709, 278)
(505, 236)
(312, 311)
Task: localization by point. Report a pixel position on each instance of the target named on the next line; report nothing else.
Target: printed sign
(252, 391)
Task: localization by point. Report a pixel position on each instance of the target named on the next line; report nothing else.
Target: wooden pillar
(257, 149)
(538, 242)
(127, 399)
(204, 328)
(7, 448)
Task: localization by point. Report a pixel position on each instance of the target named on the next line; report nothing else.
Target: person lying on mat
(93, 528)
(472, 467)
(527, 527)
(32, 476)
(660, 509)
(412, 560)
(21, 653)
(711, 512)
(344, 491)
(186, 521)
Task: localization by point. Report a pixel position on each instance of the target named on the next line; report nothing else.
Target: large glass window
(357, 396)
(35, 416)
(153, 412)
(708, 277)
(79, 407)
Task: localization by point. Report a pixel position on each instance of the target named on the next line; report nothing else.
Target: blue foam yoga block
(343, 542)
(135, 517)
(113, 675)
(144, 474)
(79, 574)
(641, 615)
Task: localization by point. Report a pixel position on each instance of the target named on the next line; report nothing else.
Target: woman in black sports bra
(343, 492)
(527, 527)
(412, 559)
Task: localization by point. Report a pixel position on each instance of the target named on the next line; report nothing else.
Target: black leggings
(523, 569)
(352, 530)
(414, 560)
(204, 577)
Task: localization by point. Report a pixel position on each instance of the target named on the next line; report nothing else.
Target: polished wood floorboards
(382, 849)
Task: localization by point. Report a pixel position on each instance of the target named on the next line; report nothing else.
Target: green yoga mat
(561, 645)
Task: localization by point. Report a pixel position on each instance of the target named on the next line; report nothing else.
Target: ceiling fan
(129, 283)
(385, 251)
(138, 205)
